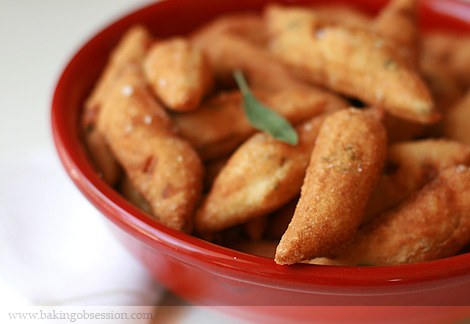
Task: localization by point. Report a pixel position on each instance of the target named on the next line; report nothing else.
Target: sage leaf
(263, 118)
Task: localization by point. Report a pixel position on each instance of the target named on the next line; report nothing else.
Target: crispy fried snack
(227, 52)
(354, 62)
(178, 73)
(130, 192)
(410, 165)
(432, 224)
(130, 51)
(398, 24)
(461, 63)
(342, 14)
(248, 26)
(451, 51)
(456, 123)
(225, 125)
(223, 121)
(444, 85)
(101, 156)
(162, 166)
(262, 175)
(344, 169)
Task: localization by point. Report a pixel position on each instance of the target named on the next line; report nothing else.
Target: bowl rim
(203, 254)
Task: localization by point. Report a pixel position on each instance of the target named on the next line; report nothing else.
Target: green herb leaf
(262, 117)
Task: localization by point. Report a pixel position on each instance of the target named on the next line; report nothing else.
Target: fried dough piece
(432, 224)
(351, 61)
(178, 73)
(342, 14)
(162, 166)
(227, 52)
(225, 124)
(456, 122)
(130, 50)
(447, 79)
(101, 156)
(249, 26)
(344, 169)
(398, 24)
(262, 175)
(410, 165)
(461, 63)
(445, 87)
(130, 192)
(451, 51)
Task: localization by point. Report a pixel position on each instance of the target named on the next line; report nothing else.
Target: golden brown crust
(262, 175)
(344, 168)
(223, 123)
(227, 52)
(178, 73)
(130, 192)
(130, 51)
(456, 122)
(447, 78)
(254, 196)
(226, 126)
(102, 157)
(354, 62)
(434, 223)
(163, 167)
(450, 51)
(342, 14)
(410, 165)
(398, 24)
(248, 26)
(445, 86)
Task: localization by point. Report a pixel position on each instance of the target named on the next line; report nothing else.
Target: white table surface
(38, 38)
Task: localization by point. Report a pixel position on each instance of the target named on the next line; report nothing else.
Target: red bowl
(249, 286)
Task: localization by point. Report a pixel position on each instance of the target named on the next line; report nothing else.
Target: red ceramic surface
(246, 285)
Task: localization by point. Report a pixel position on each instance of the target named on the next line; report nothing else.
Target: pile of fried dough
(380, 173)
